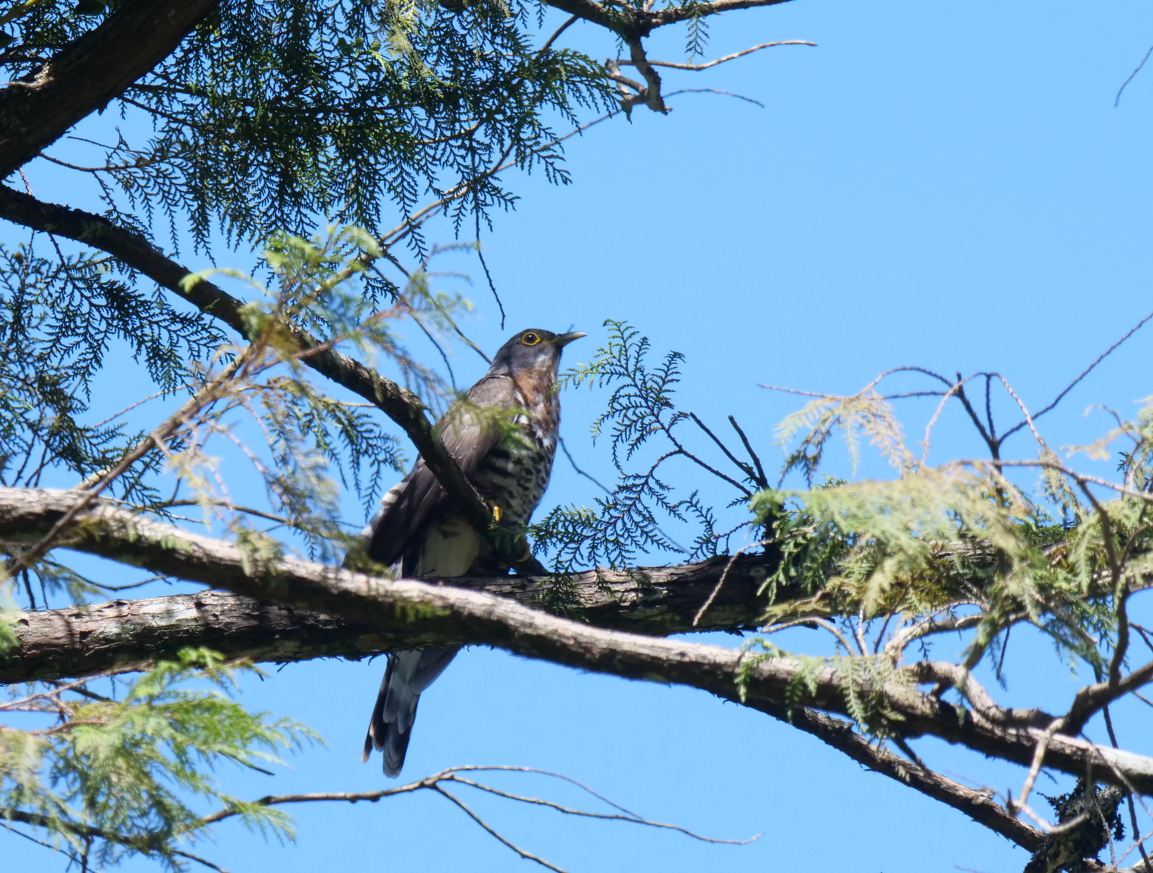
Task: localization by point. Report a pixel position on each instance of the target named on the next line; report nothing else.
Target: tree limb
(399, 404)
(633, 24)
(134, 634)
(978, 805)
(89, 72)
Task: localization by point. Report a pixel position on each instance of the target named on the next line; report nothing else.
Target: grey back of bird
(417, 531)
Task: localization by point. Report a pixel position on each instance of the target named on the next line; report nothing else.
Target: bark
(633, 24)
(121, 634)
(977, 804)
(89, 72)
(760, 681)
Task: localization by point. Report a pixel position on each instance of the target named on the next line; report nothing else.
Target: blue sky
(941, 185)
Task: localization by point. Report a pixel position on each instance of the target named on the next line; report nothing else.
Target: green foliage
(271, 116)
(641, 411)
(59, 318)
(274, 112)
(113, 776)
(698, 29)
(864, 414)
(1102, 824)
(307, 432)
(960, 545)
(883, 565)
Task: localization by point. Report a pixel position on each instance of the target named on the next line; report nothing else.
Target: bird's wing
(407, 509)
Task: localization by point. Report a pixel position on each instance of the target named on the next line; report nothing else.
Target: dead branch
(153, 843)
(732, 57)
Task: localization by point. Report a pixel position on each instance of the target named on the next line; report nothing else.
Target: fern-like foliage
(112, 776)
(60, 318)
(641, 415)
(273, 112)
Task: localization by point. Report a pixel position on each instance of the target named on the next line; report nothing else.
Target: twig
(744, 468)
(200, 860)
(1035, 768)
(721, 582)
(580, 472)
(629, 817)
(762, 479)
(715, 91)
(1084, 372)
(925, 443)
(548, 42)
(731, 57)
(808, 622)
(209, 394)
(1117, 101)
(528, 856)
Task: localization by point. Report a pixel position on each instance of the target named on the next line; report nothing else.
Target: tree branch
(633, 24)
(399, 404)
(978, 805)
(762, 681)
(699, 67)
(89, 72)
(134, 634)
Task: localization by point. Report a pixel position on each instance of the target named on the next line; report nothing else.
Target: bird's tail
(408, 674)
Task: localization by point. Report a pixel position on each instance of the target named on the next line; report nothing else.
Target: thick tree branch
(633, 24)
(978, 805)
(760, 681)
(121, 634)
(399, 404)
(664, 17)
(92, 70)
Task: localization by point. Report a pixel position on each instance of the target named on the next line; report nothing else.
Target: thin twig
(528, 856)
(744, 468)
(721, 582)
(1084, 373)
(1042, 746)
(200, 860)
(580, 472)
(762, 479)
(209, 394)
(537, 801)
(716, 91)
(732, 57)
(1117, 101)
(809, 621)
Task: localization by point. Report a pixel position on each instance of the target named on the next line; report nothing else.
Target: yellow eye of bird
(530, 339)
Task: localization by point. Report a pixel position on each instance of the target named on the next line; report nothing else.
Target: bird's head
(532, 349)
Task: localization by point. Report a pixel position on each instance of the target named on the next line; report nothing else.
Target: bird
(417, 532)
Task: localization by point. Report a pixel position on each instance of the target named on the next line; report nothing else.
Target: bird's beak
(564, 339)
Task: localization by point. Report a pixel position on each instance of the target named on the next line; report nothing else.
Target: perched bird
(416, 529)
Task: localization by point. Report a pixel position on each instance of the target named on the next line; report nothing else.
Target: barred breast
(515, 474)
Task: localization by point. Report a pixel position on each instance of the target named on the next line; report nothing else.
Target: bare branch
(1117, 100)
(133, 634)
(731, 57)
(152, 842)
(978, 805)
(1093, 698)
(1084, 372)
(528, 856)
